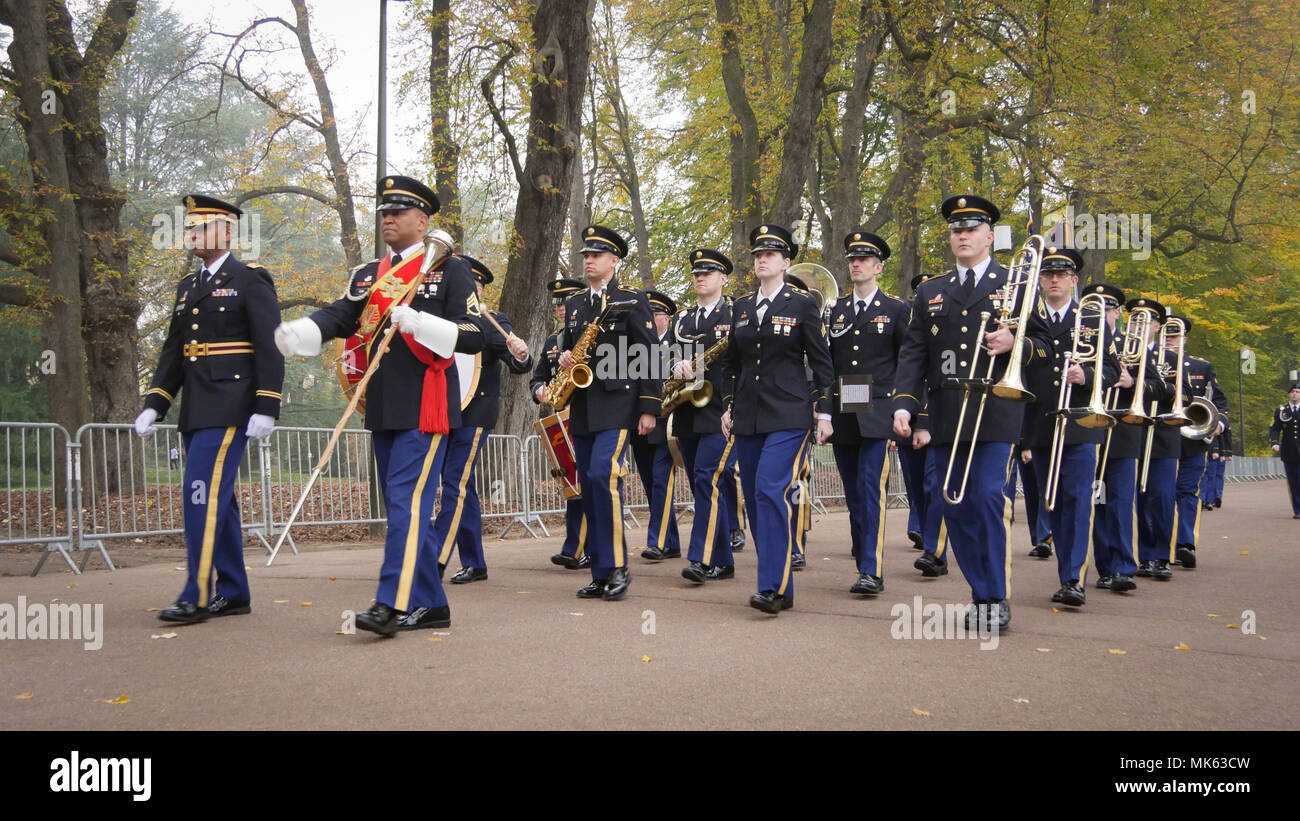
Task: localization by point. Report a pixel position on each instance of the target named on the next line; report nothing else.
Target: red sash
(390, 284)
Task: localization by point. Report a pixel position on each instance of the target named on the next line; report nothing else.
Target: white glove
(144, 422)
(433, 332)
(298, 336)
(259, 426)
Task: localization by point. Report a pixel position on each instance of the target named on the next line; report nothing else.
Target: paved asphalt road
(523, 652)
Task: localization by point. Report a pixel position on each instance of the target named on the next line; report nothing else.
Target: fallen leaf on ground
(279, 601)
(575, 614)
(435, 638)
(521, 592)
(1056, 609)
(164, 635)
(151, 610)
(1020, 700)
(645, 658)
(1115, 652)
(1213, 615)
(122, 699)
(334, 578)
(305, 603)
(23, 695)
(1043, 649)
(1245, 552)
(1233, 626)
(1182, 646)
(73, 584)
(920, 712)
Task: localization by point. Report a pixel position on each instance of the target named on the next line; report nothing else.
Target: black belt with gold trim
(216, 348)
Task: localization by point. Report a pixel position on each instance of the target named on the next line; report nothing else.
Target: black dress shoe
(1122, 583)
(567, 562)
(469, 574)
(184, 612)
(222, 606)
(380, 618)
(721, 571)
(977, 615)
(1218, 503)
(593, 591)
(1187, 555)
(737, 541)
(797, 561)
(1104, 582)
(616, 587)
(585, 561)
(918, 541)
(442, 568)
(1144, 568)
(1059, 595)
(1162, 572)
(426, 617)
(1003, 614)
(656, 554)
(1042, 550)
(695, 572)
(769, 601)
(868, 585)
(930, 566)
(1072, 594)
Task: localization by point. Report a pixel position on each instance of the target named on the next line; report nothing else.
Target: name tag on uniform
(744, 320)
(839, 326)
(935, 305)
(225, 292)
(854, 392)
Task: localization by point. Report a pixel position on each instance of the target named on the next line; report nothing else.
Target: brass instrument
(1134, 352)
(817, 281)
(1022, 283)
(1203, 419)
(1178, 414)
(699, 390)
(1146, 454)
(579, 375)
(1094, 415)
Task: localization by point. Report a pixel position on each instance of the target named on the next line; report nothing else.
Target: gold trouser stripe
(667, 509)
(943, 537)
(1196, 525)
(412, 551)
(1133, 536)
(449, 541)
(711, 531)
(616, 500)
(582, 538)
(884, 503)
(1006, 521)
(785, 497)
(210, 518)
(1092, 515)
(1173, 531)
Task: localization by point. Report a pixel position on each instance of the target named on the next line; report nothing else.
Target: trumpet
(1022, 284)
(1094, 415)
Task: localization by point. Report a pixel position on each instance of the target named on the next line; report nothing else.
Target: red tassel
(433, 396)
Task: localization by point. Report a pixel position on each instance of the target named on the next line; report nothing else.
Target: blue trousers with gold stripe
(1036, 513)
(213, 534)
(1212, 481)
(1158, 512)
(731, 494)
(934, 531)
(600, 457)
(769, 468)
(654, 463)
(1114, 545)
(1190, 471)
(575, 529)
(912, 464)
(1072, 520)
(864, 470)
(978, 526)
(460, 516)
(710, 462)
(410, 464)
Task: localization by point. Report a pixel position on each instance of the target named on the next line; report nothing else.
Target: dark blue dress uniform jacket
(1167, 443)
(393, 393)
(767, 383)
(485, 407)
(940, 343)
(685, 330)
(1045, 375)
(868, 344)
(617, 396)
(238, 305)
(1285, 433)
(1202, 381)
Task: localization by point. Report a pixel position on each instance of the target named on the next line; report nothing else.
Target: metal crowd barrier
(75, 493)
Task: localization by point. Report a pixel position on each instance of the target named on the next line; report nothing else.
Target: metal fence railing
(78, 493)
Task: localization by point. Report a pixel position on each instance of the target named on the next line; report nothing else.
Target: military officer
(1157, 500)
(460, 516)
(776, 336)
(1284, 438)
(1071, 515)
(654, 462)
(220, 352)
(619, 399)
(572, 555)
(1192, 456)
(709, 456)
(866, 330)
(413, 398)
(940, 344)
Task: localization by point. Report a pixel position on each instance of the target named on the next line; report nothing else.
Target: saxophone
(564, 382)
(699, 390)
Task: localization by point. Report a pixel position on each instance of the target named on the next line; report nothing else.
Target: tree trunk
(746, 201)
(560, 33)
(800, 131)
(445, 151)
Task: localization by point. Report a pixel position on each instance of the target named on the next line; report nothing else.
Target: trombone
(1088, 345)
(1177, 415)
(1022, 284)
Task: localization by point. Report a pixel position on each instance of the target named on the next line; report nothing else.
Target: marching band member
(572, 555)
(709, 455)
(1284, 439)
(1220, 454)
(925, 523)
(654, 462)
(1072, 515)
(460, 517)
(1157, 505)
(409, 424)
(940, 337)
(1191, 460)
(866, 330)
(220, 352)
(774, 332)
(614, 403)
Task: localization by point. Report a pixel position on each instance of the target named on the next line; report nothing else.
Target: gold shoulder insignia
(471, 305)
(251, 265)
